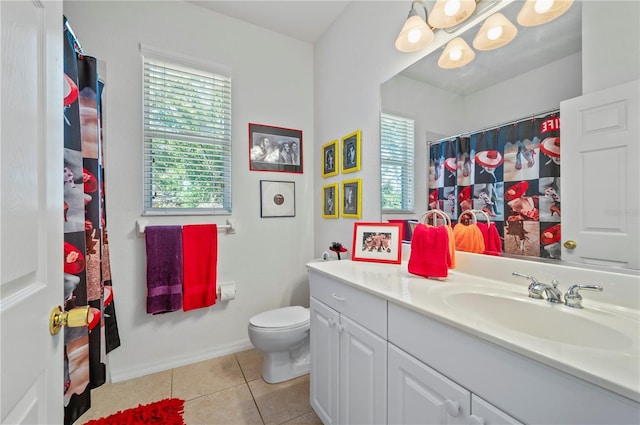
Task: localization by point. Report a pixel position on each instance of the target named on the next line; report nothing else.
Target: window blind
(397, 163)
(187, 139)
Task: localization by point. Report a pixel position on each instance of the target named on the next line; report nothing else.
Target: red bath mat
(163, 412)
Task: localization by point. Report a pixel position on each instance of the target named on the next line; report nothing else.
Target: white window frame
(211, 139)
(397, 150)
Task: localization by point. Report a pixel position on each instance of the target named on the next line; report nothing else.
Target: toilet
(282, 335)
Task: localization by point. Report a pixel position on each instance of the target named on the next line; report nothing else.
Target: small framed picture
(277, 199)
(330, 201)
(377, 242)
(330, 159)
(352, 198)
(275, 149)
(351, 152)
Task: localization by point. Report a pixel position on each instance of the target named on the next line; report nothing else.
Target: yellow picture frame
(330, 205)
(351, 152)
(330, 159)
(352, 198)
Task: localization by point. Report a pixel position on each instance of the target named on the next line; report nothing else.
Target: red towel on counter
(164, 268)
(430, 256)
(492, 241)
(200, 252)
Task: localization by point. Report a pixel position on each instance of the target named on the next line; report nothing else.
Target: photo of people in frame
(275, 149)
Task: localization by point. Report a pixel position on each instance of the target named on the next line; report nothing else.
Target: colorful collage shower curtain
(87, 275)
(512, 174)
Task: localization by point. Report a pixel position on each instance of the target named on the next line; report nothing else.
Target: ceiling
(532, 48)
(308, 20)
(303, 20)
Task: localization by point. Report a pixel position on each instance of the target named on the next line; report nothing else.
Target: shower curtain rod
(468, 133)
(76, 43)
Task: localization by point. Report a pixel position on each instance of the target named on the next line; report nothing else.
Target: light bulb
(494, 33)
(455, 54)
(451, 7)
(543, 6)
(413, 36)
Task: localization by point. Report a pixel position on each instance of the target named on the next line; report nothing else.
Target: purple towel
(164, 268)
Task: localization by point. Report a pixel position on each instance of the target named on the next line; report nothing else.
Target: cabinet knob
(331, 323)
(570, 244)
(452, 407)
(337, 297)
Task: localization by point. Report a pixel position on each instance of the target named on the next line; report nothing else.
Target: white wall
(272, 84)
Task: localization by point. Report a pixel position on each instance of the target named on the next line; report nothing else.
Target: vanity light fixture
(448, 13)
(456, 54)
(496, 31)
(538, 12)
(415, 33)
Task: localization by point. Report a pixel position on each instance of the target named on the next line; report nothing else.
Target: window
(187, 137)
(396, 163)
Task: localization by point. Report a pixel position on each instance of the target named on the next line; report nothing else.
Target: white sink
(595, 329)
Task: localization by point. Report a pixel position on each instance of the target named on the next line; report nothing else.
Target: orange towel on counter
(452, 247)
(468, 238)
(430, 255)
(200, 258)
(492, 241)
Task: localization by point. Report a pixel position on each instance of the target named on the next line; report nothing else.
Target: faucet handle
(534, 291)
(573, 298)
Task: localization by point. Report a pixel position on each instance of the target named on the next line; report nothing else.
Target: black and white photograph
(352, 198)
(275, 149)
(329, 159)
(351, 152)
(329, 201)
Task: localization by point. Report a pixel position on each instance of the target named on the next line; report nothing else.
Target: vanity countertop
(617, 370)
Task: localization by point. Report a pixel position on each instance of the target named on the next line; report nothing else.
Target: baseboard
(182, 360)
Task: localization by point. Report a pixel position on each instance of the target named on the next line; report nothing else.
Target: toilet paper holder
(226, 291)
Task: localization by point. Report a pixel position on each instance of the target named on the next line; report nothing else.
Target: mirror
(529, 76)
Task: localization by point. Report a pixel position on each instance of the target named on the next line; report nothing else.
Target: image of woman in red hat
(550, 241)
(522, 206)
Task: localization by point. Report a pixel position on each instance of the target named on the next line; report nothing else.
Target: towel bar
(230, 227)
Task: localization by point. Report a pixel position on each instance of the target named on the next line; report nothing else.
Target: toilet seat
(281, 318)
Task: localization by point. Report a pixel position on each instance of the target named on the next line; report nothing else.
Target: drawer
(366, 309)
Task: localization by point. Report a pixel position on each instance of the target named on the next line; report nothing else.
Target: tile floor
(227, 390)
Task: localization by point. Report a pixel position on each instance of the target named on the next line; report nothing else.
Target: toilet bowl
(282, 335)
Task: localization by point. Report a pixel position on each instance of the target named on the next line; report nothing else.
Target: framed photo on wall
(277, 199)
(330, 159)
(275, 149)
(351, 152)
(377, 242)
(352, 198)
(330, 201)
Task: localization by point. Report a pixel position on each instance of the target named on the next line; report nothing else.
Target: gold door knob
(570, 244)
(74, 318)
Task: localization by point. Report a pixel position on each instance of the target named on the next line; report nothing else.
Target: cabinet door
(600, 155)
(325, 355)
(421, 395)
(363, 375)
(484, 413)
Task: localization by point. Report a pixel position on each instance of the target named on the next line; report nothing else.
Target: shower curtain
(512, 173)
(87, 275)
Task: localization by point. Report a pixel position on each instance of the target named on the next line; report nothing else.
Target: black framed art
(275, 149)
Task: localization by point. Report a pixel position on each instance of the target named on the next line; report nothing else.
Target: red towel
(200, 257)
(492, 241)
(430, 256)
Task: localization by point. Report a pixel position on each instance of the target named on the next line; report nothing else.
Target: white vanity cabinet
(419, 394)
(517, 386)
(348, 353)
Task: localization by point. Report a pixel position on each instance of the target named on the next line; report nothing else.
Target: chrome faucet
(573, 298)
(537, 289)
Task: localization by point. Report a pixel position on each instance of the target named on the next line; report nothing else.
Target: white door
(600, 154)
(363, 375)
(31, 220)
(325, 350)
(421, 395)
